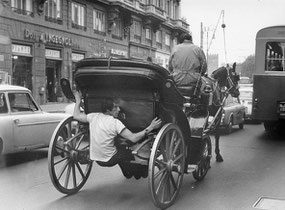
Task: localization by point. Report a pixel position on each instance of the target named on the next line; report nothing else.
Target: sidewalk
(54, 107)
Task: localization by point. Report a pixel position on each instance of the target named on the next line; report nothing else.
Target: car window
(21, 102)
(3, 104)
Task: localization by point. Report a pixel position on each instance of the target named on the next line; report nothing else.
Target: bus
(269, 78)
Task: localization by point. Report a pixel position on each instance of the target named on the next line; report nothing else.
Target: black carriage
(146, 90)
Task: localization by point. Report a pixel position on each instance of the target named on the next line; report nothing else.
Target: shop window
(22, 71)
(53, 11)
(78, 14)
(23, 7)
(99, 21)
(53, 75)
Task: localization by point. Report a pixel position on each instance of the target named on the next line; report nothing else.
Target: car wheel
(229, 128)
(241, 125)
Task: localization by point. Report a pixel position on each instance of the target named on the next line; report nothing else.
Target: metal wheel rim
(68, 175)
(166, 169)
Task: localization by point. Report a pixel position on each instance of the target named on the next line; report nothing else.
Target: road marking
(270, 203)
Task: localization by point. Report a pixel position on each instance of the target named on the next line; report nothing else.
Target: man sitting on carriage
(187, 62)
(104, 127)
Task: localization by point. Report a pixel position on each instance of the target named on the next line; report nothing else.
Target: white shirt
(103, 129)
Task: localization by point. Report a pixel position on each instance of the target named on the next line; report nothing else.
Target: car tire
(241, 125)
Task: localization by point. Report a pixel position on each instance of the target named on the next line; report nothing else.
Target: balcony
(154, 11)
(179, 24)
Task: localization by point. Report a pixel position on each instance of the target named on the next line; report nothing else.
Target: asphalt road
(253, 167)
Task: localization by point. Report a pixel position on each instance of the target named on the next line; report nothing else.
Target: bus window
(274, 60)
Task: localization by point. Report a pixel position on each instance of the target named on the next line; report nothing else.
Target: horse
(223, 81)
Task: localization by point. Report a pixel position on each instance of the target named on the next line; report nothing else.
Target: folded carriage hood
(126, 73)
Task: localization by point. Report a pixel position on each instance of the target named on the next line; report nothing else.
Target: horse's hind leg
(219, 157)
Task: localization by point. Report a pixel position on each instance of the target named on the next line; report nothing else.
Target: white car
(23, 124)
(246, 100)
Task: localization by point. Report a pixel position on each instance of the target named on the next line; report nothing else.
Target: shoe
(191, 168)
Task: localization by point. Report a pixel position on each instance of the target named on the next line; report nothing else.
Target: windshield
(245, 94)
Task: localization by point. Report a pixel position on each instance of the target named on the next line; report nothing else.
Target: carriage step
(191, 168)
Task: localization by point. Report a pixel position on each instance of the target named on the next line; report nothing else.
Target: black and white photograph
(142, 105)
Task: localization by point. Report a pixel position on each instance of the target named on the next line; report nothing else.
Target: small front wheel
(68, 156)
(204, 163)
(166, 165)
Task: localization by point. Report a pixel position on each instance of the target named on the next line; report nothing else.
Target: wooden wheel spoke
(176, 147)
(161, 187)
(62, 149)
(177, 158)
(74, 175)
(60, 161)
(159, 172)
(63, 169)
(163, 177)
(80, 170)
(167, 145)
(67, 176)
(80, 141)
(172, 181)
(173, 137)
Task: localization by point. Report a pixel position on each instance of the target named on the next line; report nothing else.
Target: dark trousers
(122, 158)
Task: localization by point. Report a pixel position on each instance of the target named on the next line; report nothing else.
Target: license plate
(281, 108)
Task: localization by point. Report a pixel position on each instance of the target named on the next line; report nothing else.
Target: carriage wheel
(204, 163)
(68, 162)
(166, 166)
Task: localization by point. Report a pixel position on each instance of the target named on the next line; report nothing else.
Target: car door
(31, 126)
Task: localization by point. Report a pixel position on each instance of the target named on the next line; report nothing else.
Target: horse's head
(233, 79)
(227, 77)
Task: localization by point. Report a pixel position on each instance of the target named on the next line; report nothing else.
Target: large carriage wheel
(204, 163)
(166, 166)
(68, 162)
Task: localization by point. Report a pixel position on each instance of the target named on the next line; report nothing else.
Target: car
(233, 114)
(23, 124)
(246, 100)
(245, 82)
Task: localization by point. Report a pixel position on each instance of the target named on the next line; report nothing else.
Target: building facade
(40, 41)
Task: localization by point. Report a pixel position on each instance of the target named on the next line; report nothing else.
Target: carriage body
(141, 87)
(145, 91)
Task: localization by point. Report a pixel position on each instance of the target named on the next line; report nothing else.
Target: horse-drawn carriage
(145, 90)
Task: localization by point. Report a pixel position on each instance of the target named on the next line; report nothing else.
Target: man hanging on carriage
(104, 127)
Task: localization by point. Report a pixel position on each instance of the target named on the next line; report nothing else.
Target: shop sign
(77, 57)
(52, 53)
(48, 38)
(119, 52)
(22, 49)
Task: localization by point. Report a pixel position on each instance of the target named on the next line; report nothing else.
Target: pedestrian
(187, 62)
(104, 127)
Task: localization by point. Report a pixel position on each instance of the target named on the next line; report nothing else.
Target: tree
(247, 67)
